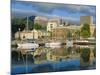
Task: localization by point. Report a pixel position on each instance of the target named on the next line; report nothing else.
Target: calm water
(51, 60)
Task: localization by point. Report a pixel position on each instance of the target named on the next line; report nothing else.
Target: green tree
(85, 31)
(69, 35)
(37, 26)
(76, 35)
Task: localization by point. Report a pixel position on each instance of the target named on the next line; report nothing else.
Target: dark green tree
(85, 31)
(37, 26)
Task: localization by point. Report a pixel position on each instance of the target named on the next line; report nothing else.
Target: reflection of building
(57, 54)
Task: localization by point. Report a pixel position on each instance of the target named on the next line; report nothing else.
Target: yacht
(53, 44)
(28, 45)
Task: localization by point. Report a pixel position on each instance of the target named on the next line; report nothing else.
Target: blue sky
(68, 12)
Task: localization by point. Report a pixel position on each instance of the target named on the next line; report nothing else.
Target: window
(51, 25)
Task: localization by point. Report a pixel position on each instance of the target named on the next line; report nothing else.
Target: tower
(86, 20)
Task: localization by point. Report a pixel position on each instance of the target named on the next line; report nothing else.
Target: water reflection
(57, 59)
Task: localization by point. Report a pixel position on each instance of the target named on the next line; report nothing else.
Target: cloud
(69, 8)
(23, 12)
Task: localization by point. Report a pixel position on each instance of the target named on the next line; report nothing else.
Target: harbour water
(52, 60)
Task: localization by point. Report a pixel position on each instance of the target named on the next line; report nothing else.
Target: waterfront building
(31, 34)
(41, 20)
(86, 20)
(61, 32)
(92, 29)
(51, 25)
(23, 35)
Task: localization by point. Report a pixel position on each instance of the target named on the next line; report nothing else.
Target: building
(41, 20)
(61, 32)
(24, 35)
(32, 34)
(57, 20)
(92, 29)
(88, 20)
(51, 25)
(27, 35)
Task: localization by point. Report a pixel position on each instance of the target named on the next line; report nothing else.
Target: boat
(53, 45)
(28, 45)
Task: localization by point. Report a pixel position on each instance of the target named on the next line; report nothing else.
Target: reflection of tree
(94, 51)
(85, 57)
(69, 49)
(85, 54)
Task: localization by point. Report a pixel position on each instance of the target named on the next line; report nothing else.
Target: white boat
(28, 46)
(53, 44)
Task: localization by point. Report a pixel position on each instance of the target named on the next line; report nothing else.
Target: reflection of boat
(82, 42)
(53, 44)
(28, 46)
(84, 46)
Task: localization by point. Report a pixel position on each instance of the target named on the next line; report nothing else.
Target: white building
(27, 35)
(41, 20)
(51, 25)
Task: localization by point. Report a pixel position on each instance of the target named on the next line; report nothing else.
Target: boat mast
(27, 24)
